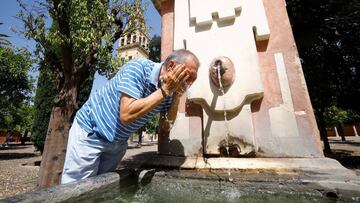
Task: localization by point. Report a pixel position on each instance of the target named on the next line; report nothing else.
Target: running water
(221, 88)
(171, 123)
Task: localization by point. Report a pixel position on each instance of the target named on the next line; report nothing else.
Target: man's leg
(111, 158)
(82, 155)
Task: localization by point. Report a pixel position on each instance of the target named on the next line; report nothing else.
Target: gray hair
(180, 56)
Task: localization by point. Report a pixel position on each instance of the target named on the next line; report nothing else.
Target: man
(141, 89)
(139, 133)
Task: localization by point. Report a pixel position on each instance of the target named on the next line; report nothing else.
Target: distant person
(140, 136)
(141, 89)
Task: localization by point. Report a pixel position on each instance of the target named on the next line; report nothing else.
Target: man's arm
(132, 109)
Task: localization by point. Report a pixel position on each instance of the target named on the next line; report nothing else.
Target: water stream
(227, 128)
(227, 131)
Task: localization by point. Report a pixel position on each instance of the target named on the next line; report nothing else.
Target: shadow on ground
(16, 151)
(346, 152)
(13, 147)
(346, 158)
(9, 156)
(134, 145)
(348, 142)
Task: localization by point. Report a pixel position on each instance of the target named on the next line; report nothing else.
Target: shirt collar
(154, 76)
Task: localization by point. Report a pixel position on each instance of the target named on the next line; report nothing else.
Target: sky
(9, 9)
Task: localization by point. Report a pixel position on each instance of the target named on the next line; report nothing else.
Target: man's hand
(175, 80)
(181, 90)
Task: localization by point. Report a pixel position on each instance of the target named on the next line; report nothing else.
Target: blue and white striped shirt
(101, 112)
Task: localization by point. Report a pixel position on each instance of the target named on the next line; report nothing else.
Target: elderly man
(140, 90)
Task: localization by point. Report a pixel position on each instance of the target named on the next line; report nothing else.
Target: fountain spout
(220, 67)
(222, 72)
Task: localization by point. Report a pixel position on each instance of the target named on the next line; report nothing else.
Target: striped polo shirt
(101, 114)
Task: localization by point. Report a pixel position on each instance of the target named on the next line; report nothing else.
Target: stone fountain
(265, 98)
(249, 109)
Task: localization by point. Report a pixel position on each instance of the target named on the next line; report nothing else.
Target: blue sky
(9, 9)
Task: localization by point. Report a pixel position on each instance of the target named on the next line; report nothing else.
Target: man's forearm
(132, 109)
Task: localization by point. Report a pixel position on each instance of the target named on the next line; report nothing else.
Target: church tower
(136, 43)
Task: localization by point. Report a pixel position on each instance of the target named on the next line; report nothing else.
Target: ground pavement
(19, 163)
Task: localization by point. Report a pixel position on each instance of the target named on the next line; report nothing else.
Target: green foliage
(155, 48)
(23, 118)
(85, 90)
(152, 125)
(43, 105)
(85, 26)
(15, 87)
(327, 34)
(335, 116)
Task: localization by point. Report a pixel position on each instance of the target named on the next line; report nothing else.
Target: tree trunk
(323, 133)
(57, 135)
(341, 132)
(23, 138)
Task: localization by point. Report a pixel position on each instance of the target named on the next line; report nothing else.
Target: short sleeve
(132, 80)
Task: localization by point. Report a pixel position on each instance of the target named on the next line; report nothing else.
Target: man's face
(191, 68)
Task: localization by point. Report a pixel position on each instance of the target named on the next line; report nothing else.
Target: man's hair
(180, 56)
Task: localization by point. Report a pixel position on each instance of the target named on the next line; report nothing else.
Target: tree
(15, 86)
(155, 48)
(15, 111)
(152, 125)
(23, 119)
(80, 41)
(44, 99)
(326, 32)
(43, 104)
(335, 116)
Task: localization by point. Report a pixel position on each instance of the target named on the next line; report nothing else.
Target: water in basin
(167, 188)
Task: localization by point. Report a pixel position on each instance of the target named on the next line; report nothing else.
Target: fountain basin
(248, 184)
(190, 186)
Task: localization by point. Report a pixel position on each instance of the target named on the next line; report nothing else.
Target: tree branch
(61, 16)
(50, 56)
(84, 68)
